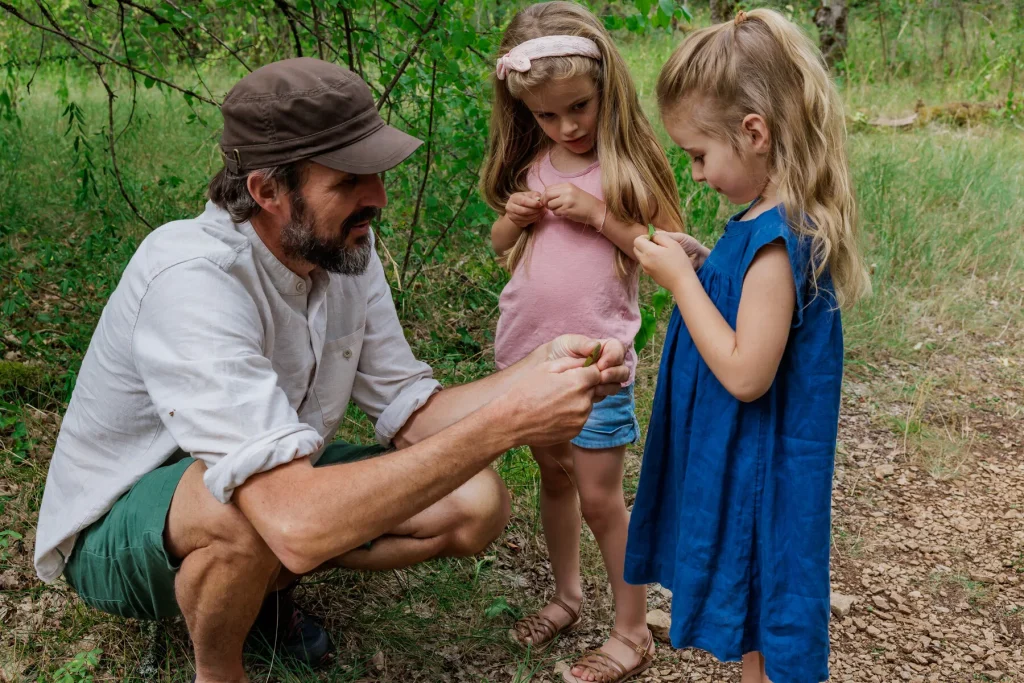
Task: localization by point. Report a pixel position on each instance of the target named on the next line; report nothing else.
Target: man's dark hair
(230, 191)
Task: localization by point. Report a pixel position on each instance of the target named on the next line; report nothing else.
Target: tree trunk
(831, 21)
(723, 10)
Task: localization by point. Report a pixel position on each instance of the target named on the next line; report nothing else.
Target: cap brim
(378, 152)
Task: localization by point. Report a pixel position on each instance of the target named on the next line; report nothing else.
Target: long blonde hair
(763, 64)
(636, 179)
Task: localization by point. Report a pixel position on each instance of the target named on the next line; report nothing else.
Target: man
(191, 472)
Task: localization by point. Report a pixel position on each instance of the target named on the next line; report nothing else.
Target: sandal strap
(644, 651)
(602, 663)
(574, 615)
(539, 628)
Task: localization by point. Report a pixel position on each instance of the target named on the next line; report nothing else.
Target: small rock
(993, 675)
(873, 631)
(659, 622)
(880, 602)
(9, 580)
(883, 471)
(841, 604)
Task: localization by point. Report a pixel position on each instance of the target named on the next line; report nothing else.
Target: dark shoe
(282, 626)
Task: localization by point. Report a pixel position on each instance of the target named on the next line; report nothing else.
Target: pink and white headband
(519, 57)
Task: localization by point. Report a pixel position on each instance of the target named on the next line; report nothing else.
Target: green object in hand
(592, 358)
(650, 232)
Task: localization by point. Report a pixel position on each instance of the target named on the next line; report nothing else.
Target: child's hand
(569, 201)
(524, 208)
(664, 259)
(697, 252)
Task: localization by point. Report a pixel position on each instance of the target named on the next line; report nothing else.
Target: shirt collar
(285, 280)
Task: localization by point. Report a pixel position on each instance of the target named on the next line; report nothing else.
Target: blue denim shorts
(612, 423)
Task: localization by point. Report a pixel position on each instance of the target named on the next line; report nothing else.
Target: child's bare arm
(746, 359)
(521, 210)
(504, 234)
(568, 200)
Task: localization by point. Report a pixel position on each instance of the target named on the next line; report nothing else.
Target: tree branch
(135, 84)
(426, 175)
(281, 5)
(110, 114)
(209, 33)
(348, 40)
(156, 17)
(412, 53)
(430, 252)
(74, 42)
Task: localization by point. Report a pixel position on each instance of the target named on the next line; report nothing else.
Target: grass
(941, 225)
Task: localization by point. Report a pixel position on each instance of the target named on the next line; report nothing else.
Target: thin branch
(113, 150)
(316, 22)
(209, 33)
(281, 5)
(78, 43)
(134, 81)
(412, 53)
(430, 252)
(156, 17)
(42, 44)
(110, 114)
(348, 40)
(426, 175)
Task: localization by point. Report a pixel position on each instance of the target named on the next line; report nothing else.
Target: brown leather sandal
(541, 630)
(607, 669)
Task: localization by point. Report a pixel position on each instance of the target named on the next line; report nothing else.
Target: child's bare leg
(599, 478)
(560, 517)
(753, 668)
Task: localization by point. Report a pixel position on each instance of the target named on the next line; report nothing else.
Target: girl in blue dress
(733, 507)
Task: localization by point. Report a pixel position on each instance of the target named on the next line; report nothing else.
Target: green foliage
(78, 670)
(7, 536)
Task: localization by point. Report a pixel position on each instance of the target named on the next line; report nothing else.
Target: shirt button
(347, 353)
(301, 287)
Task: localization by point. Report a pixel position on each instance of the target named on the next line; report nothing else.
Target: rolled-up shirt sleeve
(205, 370)
(390, 383)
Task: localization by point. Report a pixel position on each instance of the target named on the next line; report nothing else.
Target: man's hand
(551, 402)
(569, 201)
(613, 355)
(524, 208)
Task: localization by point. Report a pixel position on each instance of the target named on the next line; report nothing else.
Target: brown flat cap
(308, 109)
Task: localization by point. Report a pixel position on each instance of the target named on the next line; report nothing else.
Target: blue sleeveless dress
(733, 506)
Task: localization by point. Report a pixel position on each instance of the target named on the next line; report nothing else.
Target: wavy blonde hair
(763, 64)
(636, 179)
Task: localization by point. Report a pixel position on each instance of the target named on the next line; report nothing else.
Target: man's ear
(268, 194)
(755, 131)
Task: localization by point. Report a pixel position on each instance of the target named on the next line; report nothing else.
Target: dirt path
(928, 547)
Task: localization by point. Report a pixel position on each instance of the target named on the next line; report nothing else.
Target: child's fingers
(662, 239)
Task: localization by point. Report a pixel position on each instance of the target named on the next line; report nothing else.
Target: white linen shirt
(212, 346)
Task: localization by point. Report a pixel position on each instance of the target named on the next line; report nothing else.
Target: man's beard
(300, 239)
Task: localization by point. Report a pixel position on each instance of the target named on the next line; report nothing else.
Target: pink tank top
(567, 283)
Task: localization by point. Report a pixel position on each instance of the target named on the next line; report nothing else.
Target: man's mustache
(366, 214)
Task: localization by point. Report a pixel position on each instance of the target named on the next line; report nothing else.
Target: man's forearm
(447, 407)
(350, 499)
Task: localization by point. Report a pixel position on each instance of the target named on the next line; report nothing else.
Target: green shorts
(120, 565)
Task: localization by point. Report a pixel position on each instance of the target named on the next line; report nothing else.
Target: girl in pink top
(576, 171)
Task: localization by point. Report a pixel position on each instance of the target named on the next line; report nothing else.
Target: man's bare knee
(199, 522)
(483, 508)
